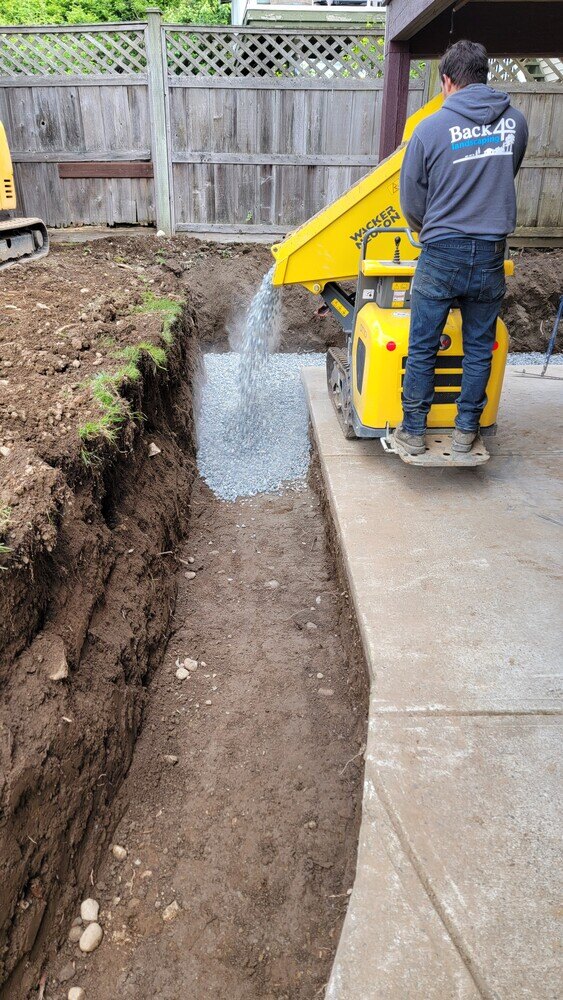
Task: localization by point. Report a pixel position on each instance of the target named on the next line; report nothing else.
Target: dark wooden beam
(395, 96)
(505, 27)
(93, 169)
(405, 17)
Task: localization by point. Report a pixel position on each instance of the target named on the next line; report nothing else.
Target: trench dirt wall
(92, 593)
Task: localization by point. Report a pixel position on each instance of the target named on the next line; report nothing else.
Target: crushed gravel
(271, 453)
(533, 358)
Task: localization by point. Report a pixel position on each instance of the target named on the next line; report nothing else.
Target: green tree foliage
(88, 11)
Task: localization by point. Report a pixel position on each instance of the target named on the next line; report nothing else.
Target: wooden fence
(266, 142)
(232, 129)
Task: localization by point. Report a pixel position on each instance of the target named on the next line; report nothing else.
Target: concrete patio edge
(454, 894)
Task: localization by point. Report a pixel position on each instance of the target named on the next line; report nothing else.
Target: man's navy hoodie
(457, 177)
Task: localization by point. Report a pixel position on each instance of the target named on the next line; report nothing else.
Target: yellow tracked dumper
(363, 238)
(20, 239)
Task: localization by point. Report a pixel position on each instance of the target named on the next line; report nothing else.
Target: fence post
(156, 68)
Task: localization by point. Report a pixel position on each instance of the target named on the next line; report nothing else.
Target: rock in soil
(171, 911)
(75, 934)
(120, 853)
(55, 657)
(89, 910)
(91, 938)
(76, 993)
(67, 972)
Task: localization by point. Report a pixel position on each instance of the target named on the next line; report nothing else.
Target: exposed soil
(253, 831)
(87, 591)
(86, 605)
(532, 298)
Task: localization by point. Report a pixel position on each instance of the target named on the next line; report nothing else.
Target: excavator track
(339, 382)
(22, 240)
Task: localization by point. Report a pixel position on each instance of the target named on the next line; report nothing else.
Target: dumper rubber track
(338, 378)
(22, 240)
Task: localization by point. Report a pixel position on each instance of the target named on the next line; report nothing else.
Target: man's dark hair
(465, 63)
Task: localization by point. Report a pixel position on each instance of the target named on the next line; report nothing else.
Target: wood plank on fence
(100, 169)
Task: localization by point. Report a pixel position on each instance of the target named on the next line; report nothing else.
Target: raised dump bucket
(327, 247)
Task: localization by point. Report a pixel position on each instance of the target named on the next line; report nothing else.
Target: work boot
(463, 440)
(413, 444)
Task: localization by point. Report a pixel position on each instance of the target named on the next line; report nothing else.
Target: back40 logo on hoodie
(497, 140)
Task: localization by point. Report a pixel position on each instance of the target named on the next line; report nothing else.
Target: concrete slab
(475, 802)
(455, 578)
(394, 943)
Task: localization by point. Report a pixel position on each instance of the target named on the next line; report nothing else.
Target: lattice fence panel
(526, 70)
(74, 53)
(212, 53)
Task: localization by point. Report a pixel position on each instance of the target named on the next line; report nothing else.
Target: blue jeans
(471, 272)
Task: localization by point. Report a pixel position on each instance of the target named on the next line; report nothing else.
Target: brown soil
(532, 298)
(85, 589)
(88, 595)
(253, 832)
(65, 319)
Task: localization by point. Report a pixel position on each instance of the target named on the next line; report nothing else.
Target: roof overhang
(505, 27)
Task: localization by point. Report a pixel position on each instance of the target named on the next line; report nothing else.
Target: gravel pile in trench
(271, 451)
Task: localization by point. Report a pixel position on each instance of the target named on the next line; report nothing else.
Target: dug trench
(234, 791)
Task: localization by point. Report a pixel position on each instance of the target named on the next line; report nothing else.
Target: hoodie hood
(479, 103)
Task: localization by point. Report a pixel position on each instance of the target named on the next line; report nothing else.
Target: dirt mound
(532, 298)
(221, 281)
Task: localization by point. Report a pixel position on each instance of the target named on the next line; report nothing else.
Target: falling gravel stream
(252, 420)
(260, 338)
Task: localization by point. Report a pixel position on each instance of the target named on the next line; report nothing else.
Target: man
(457, 192)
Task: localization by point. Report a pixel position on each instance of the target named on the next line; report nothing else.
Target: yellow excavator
(363, 237)
(20, 239)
